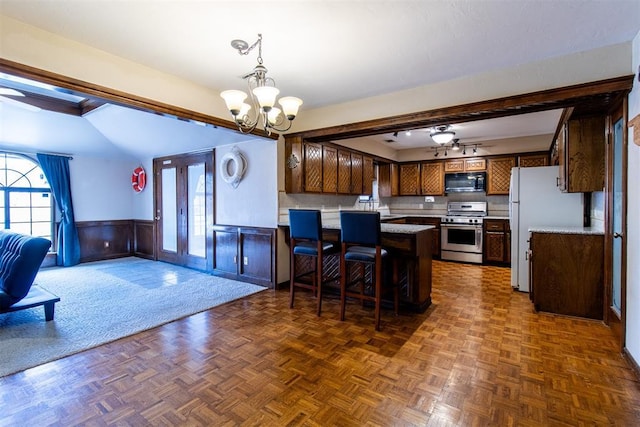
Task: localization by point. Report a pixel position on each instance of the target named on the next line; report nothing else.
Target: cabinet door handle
(557, 181)
(617, 236)
(235, 259)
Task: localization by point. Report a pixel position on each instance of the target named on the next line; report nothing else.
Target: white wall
(255, 201)
(101, 188)
(142, 202)
(633, 218)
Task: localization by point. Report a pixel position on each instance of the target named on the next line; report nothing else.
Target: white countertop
(566, 230)
(385, 228)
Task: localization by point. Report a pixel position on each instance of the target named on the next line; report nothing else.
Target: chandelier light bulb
(266, 97)
(290, 106)
(234, 100)
(273, 115)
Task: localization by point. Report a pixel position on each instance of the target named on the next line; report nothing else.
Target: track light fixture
(475, 149)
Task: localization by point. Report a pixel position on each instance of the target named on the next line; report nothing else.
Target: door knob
(157, 218)
(617, 235)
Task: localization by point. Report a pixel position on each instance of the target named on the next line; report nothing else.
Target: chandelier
(262, 98)
(442, 134)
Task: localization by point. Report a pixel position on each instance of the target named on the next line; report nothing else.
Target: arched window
(26, 203)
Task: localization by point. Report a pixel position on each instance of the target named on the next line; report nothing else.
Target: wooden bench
(36, 297)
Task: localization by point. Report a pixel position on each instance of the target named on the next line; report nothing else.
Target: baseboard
(632, 362)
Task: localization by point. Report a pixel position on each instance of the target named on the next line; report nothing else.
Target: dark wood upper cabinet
(312, 167)
(499, 174)
(533, 160)
(367, 175)
(388, 179)
(432, 178)
(581, 153)
(329, 170)
(356, 173)
(409, 179)
(344, 172)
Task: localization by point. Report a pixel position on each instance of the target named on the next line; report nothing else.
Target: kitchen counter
(384, 227)
(409, 244)
(496, 217)
(567, 230)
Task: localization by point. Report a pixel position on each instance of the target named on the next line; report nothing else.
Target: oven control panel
(462, 220)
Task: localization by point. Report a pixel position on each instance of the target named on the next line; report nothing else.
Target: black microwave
(464, 182)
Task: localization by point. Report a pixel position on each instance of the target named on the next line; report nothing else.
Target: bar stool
(305, 227)
(360, 243)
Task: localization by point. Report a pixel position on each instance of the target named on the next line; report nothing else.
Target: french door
(184, 209)
(616, 230)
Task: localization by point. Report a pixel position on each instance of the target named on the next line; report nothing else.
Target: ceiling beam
(586, 98)
(112, 96)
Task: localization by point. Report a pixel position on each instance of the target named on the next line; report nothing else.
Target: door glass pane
(617, 214)
(169, 210)
(197, 210)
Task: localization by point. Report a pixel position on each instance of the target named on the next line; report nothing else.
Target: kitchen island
(407, 243)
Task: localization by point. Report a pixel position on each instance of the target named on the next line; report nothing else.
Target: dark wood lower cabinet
(566, 273)
(496, 242)
(245, 253)
(435, 233)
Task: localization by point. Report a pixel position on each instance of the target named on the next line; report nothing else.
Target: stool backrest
(361, 228)
(305, 224)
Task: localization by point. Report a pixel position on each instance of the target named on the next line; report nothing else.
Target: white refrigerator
(536, 201)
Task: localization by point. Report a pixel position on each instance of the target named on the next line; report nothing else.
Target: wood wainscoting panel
(105, 239)
(143, 238)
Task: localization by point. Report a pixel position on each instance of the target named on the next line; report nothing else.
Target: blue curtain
(56, 169)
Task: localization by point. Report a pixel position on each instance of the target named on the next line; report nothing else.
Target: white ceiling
(327, 52)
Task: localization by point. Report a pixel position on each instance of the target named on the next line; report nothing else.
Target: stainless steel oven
(461, 232)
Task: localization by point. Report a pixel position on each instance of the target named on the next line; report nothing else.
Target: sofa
(20, 259)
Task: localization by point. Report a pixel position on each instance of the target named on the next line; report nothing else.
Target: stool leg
(378, 290)
(292, 276)
(396, 287)
(319, 277)
(343, 282)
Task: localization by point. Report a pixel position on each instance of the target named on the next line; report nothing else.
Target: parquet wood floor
(478, 356)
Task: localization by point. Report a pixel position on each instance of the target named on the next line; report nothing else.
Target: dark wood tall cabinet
(566, 273)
